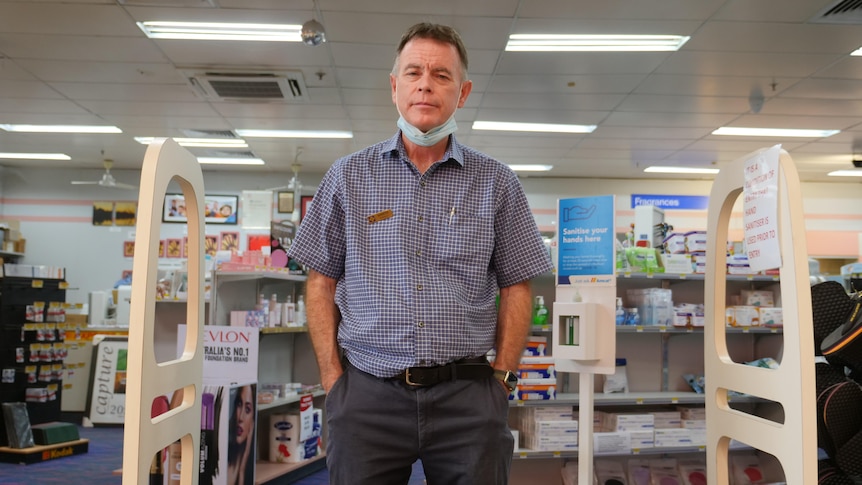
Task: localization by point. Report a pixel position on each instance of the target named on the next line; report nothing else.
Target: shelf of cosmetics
(654, 307)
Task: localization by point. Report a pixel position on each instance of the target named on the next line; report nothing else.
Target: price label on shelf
(64, 285)
(38, 283)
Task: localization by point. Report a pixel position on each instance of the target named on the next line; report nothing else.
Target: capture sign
(760, 205)
(586, 238)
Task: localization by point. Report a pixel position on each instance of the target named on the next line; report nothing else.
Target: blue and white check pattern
(418, 288)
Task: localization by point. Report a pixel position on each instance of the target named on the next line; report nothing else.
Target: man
(408, 242)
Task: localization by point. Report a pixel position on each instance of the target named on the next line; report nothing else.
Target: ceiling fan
(294, 184)
(107, 179)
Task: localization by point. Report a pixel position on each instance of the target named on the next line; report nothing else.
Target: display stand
(165, 161)
(794, 441)
(583, 334)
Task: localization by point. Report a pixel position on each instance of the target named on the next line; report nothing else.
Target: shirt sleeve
(320, 242)
(519, 253)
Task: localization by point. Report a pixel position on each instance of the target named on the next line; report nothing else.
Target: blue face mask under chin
(432, 136)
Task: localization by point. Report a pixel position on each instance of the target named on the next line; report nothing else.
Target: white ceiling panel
(552, 101)
(745, 64)
(83, 47)
(684, 104)
(775, 37)
(565, 84)
(125, 92)
(86, 62)
(719, 85)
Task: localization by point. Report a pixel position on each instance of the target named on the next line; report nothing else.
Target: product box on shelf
(674, 243)
(285, 443)
(695, 241)
(677, 263)
(536, 346)
(535, 389)
(742, 316)
(672, 437)
(666, 419)
(758, 298)
(628, 421)
(641, 439)
(612, 442)
(771, 317)
(532, 367)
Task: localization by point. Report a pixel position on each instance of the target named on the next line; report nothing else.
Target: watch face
(511, 380)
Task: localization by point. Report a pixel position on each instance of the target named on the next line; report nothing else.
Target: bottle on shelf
(632, 316)
(540, 311)
(263, 303)
(620, 312)
(300, 311)
(275, 310)
(289, 315)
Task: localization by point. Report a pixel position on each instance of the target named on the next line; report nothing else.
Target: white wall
(56, 217)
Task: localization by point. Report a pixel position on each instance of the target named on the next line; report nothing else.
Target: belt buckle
(407, 379)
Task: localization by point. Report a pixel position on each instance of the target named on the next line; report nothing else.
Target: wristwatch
(509, 378)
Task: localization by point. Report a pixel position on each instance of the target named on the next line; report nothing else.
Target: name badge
(380, 216)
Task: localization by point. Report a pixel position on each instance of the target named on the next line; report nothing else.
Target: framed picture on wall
(128, 249)
(174, 248)
(285, 202)
(218, 209)
(229, 241)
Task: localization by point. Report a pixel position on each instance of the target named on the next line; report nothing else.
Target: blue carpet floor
(104, 457)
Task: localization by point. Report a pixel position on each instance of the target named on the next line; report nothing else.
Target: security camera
(312, 33)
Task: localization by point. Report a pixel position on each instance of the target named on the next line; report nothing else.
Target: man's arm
(513, 325)
(323, 318)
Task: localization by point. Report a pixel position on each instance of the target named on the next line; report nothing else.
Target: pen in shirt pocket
(451, 214)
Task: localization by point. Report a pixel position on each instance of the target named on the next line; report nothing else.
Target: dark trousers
(377, 429)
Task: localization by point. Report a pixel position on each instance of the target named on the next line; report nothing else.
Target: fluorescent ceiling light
(857, 52)
(35, 156)
(846, 173)
(594, 43)
(222, 31)
(200, 142)
(531, 168)
(229, 161)
(774, 132)
(533, 127)
(688, 170)
(294, 133)
(61, 129)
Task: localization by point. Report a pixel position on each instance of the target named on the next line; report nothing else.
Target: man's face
(427, 85)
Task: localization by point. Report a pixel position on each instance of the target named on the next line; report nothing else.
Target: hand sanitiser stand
(772, 198)
(584, 340)
(147, 379)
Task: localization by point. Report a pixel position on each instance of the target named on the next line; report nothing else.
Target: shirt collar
(395, 146)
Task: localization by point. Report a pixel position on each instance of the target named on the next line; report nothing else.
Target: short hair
(438, 32)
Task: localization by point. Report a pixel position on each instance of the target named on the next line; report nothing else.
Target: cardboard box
(629, 421)
(677, 263)
(672, 437)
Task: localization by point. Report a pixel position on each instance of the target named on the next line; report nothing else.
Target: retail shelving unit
(285, 354)
(657, 356)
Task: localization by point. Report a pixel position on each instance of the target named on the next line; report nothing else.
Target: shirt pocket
(461, 246)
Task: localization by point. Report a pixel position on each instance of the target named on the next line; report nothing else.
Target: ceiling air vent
(169, 3)
(840, 12)
(268, 86)
(220, 134)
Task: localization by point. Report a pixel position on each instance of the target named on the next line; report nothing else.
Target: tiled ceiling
(86, 62)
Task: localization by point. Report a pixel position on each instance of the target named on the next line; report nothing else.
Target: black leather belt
(471, 369)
